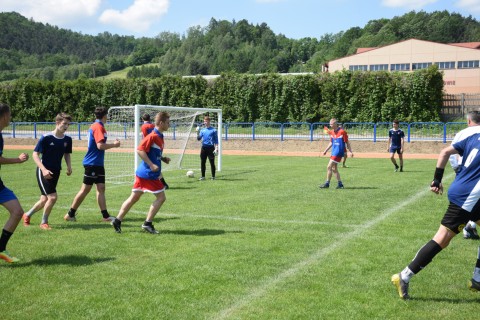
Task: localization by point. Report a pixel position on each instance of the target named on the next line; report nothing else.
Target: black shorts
(94, 174)
(456, 218)
(207, 152)
(396, 149)
(47, 186)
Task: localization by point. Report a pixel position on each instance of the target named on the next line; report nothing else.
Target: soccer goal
(181, 144)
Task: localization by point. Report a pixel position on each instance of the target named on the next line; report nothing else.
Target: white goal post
(181, 145)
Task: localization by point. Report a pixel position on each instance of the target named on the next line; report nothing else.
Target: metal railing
(366, 131)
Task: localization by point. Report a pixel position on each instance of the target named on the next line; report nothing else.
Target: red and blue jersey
(152, 144)
(96, 134)
(146, 128)
(52, 150)
(465, 189)
(339, 139)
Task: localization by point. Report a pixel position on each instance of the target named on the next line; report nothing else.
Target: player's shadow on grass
(142, 219)
(448, 300)
(230, 176)
(70, 260)
(360, 188)
(200, 232)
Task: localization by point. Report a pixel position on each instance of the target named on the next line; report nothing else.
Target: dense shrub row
(348, 96)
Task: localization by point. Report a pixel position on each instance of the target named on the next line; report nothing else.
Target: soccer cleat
(150, 229)
(470, 233)
(212, 178)
(474, 285)
(344, 166)
(402, 286)
(117, 225)
(324, 186)
(5, 255)
(45, 226)
(201, 179)
(401, 169)
(166, 186)
(109, 219)
(68, 218)
(340, 186)
(26, 220)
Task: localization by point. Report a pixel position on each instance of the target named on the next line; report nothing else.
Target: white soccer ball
(190, 174)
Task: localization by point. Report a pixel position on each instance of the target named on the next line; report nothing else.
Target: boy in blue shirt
(396, 139)
(209, 137)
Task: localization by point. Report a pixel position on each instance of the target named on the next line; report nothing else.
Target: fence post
(79, 133)
(408, 132)
(281, 131)
(444, 133)
(311, 132)
(226, 131)
(35, 130)
(375, 132)
(253, 130)
(13, 130)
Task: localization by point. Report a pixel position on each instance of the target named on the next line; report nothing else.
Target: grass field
(260, 242)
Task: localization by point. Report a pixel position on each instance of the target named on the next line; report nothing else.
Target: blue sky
(294, 18)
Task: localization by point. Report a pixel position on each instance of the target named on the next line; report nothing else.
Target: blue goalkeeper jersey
(208, 136)
(465, 189)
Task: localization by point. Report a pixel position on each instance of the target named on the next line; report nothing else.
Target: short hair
(146, 117)
(396, 121)
(100, 112)
(63, 116)
(474, 116)
(4, 108)
(206, 117)
(162, 116)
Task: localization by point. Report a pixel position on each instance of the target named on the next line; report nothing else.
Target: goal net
(181, 144)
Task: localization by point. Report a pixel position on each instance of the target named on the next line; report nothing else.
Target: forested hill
(36, 50)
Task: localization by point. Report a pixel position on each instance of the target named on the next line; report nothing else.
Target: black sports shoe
(470, 233)
(149, 228)
(340, 186)
(117, 225)
(324, 186)
(402, 286)
(474, 285)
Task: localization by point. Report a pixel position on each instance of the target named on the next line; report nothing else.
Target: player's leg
(337, 175)
(102, 202)
(77, 201)
(125, 208)
(47, 209)
(345, 159)
(36, 207)
(16, 212)
(329, 175)
(474, 283)
(203, 162)
(392, 158)
(211, 159)
(160, 199)
(400, 158)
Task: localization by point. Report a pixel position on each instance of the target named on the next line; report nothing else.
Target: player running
(146, 128)
(147, 175)
(52, 147)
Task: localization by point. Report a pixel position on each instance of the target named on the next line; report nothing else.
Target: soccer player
(93, 162)
(338, 142)
(147, 175)
(52, 147)
(396, 139)
(463, 196)
(7, 197)
(209, 137)
(146, 128)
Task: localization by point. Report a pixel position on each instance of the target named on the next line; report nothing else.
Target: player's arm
(349, 147)
(328, 148)
(144, 156)
(436, 185)
(389, 143)
(22, 157)
(68, 162)
(402, 141)
(101, 145)
(45, 172)
(166, 160)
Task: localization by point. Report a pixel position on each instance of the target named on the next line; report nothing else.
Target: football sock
(30, 212)
(147, 223)
(44, 218)
(105, 213)
(71, 212)
(406, 274)
(424, 256)
(476, 272)
(4, 239)
(164, 183)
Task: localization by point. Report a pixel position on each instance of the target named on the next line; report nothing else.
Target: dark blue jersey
(52, 150)
(397, 136)
(465, 189)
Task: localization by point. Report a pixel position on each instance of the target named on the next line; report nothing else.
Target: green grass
(260, 242)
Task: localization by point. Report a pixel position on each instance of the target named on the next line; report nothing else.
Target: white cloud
(410, 4)
(56, 12)
(472, 6)
(138, 17)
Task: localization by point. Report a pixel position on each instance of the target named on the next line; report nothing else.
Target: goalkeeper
(209, 137)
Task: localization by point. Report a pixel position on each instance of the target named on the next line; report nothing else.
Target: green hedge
(348, 96)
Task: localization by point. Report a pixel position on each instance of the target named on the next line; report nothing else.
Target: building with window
(459, 62)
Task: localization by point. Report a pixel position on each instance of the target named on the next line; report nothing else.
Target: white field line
(269, 283)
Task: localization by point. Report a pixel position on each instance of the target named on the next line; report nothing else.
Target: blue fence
(414, 131)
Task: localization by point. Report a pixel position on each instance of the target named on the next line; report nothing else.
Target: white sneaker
(201, 179)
